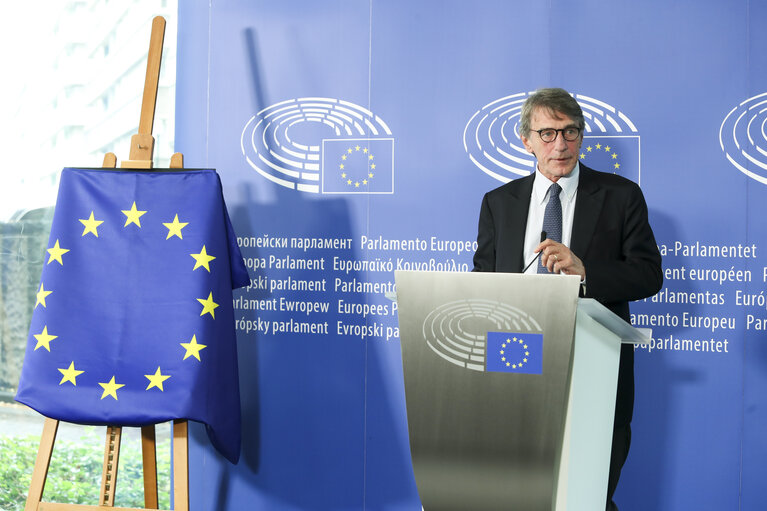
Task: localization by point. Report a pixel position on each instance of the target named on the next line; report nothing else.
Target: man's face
(557, 158)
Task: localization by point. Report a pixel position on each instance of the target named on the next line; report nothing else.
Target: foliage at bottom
(74, 476)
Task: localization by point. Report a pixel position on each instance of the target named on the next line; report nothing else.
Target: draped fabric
(133, 323)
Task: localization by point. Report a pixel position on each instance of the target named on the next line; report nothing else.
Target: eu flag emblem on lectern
(510, 352)
(133, 323)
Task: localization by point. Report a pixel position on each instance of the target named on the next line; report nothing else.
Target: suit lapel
(588, 205)
(518, 207)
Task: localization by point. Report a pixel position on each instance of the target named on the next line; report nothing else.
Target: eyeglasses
(550, 134)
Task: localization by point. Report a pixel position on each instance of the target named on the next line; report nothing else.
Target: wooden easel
(141, 151)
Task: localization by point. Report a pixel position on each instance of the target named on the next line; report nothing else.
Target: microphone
(543, 237)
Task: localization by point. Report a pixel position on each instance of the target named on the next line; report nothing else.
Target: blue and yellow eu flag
(618, 154)
(358, 166)
(133, 323)
(511, 352)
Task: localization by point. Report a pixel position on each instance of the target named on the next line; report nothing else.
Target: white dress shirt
(538, 200)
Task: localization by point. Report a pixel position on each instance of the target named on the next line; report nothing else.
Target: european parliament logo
(491, 140)
(510, 352)
(743, 139)
(470, 333)
(321, 145)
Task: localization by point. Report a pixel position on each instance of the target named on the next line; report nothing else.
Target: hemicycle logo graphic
(321, 145)
(458, 331)
(611, 141)
(743, 137)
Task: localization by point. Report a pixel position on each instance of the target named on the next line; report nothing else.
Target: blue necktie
(552, 220)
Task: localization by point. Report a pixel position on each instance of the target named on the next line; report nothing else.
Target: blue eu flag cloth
(512, 352)
(133, 322)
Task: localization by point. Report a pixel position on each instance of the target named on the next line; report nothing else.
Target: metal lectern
(510, 386)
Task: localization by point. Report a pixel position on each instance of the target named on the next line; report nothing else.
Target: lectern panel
(487, 359)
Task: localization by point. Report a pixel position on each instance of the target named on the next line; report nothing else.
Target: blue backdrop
(357, 137)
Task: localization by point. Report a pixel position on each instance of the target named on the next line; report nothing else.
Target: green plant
(74, 476)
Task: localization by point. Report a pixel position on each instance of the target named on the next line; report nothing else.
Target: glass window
(72, 94)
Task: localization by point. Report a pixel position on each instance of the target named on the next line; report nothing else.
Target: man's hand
(558, 258)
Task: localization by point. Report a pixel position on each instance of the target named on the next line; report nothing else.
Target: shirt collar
(569, 184)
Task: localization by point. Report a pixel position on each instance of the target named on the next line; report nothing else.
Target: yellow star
(341, 166)
(357, 148)
(370, 174)
(349, 150)
(133, 215)
(91, 225)
(41, 296)
(208, 305)
(192, 348)
(365, 150)
(348, 181)
(598, 146)
(174, 228)
(514, 366)
(70, 374)
(508, 364)
(370, 157)
(343, 157)
(202, 259)
(156, 379)
(588, 149)
(44, 339)
(524, 360)
(617, 165)
(343, 175)
(503, 359)
(364, 181)
(110, 388)
(527, 353)
(56, 253)
(372, 166)
(357, 184)
(607, 148)
(582, 156)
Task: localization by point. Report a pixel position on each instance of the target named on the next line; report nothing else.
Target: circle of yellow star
(133, 215)
(174, 227)
(193, 348)
(56, 252)
(41, 296)
(70, 374)
(202, 259)
(110, 388)
(44, 339)
(91, 225)
(156, 379)
(208, 305)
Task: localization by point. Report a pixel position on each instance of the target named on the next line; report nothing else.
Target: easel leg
(149, 456)
(111, 462)
(42, 463)
(181, 465)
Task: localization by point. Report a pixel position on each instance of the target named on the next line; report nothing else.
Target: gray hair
(556, 101)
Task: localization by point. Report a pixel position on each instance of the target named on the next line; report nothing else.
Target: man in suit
(600, 231)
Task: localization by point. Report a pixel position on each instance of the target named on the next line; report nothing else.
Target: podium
(510, 385)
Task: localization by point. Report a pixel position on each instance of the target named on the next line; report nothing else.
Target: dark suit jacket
(611, 235)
